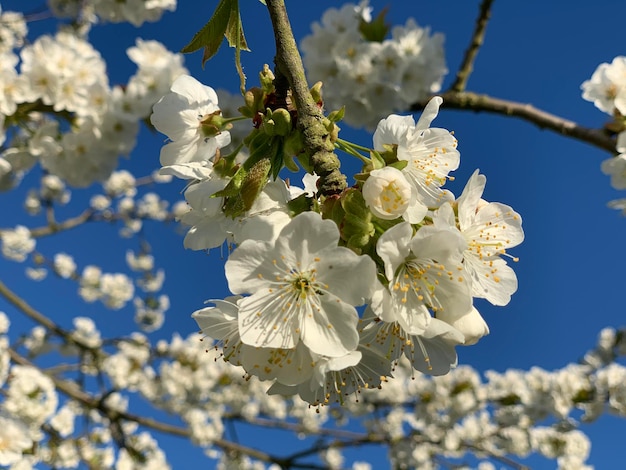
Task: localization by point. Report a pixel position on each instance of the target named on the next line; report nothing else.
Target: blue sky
(572, 263)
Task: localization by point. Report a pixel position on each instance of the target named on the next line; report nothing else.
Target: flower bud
(471, 324)
(277, 122)
(387, 193)
(316, 92)
(266, 77)
(213, 124)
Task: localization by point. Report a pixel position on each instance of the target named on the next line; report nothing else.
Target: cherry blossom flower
(425, 275)
(303, 288)
(187, 116)
(490, 228)
(388, 195)
(430, 152)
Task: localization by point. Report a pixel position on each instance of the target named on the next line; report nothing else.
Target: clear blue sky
(572, 263)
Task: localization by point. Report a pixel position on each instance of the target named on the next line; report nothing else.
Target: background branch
(467, 66)
(469, 101)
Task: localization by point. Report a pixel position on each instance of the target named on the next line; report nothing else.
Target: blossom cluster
(606, 89)
(370, 75)
(135, 12)
(401, 244)
(59, 110)
(515, 413)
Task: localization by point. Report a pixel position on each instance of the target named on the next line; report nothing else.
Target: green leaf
(211, 35)
(235, 37)
(225, 22)
(377, 29)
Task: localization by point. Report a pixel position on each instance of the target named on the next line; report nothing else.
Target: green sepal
(357, 227)
(331, 209)
(226, 166)
(266, 78)
(399, 165)
(290, 163)
(316, 93)
(302, 203)
(377, 160)
(234, 185)
(246, 189)
(278, 122)
(336, 116)
(377, 29)
(305, 162)
(253, 98)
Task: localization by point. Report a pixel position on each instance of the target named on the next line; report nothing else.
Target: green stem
(351, 149)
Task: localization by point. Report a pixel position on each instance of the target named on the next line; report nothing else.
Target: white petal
(469, 199)
(167, 117)
(348, 276)
(217, 322)
(438, 343)
(187, 171)
(471, 324)
(306, 235)
(331, 331)
(499, 225)
(393, 130)
(446, 245)
(393, 247)
(263, 324)
(249, 268)
(204, 235)
(492, 279)
(195, 92)
(429, 114)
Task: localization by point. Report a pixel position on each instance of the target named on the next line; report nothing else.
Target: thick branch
(478, 38)
(317, 142)
(483, 103)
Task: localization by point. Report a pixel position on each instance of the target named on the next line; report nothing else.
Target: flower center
(302, 284)
(391, 198)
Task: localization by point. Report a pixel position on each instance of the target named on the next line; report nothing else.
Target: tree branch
(33, 314)
(467, 66)
(68, 224)
(483, 103)
(317, 142)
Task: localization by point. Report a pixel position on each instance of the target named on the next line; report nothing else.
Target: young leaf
(235, 37)
(211, 35)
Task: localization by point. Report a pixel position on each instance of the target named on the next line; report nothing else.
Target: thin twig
(478, 38)
(62, 226)
(33, 314)
(469, 101)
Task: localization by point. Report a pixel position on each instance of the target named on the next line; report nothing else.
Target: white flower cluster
(298, 279)
(372, 78)
(63, 78)
(135, 12)
(606, 89)
(17, 244)
(514, 414)
(112, 289)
